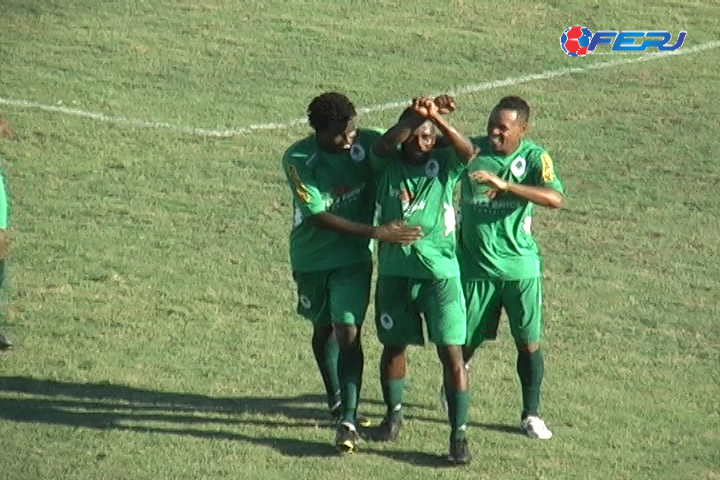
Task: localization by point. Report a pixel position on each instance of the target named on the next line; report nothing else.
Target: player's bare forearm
(457, 140)
(543, 196)
(397, 134)
(393, 232)
(335, 223)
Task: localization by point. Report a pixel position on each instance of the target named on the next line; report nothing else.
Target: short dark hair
(516, 104)
(330, 107)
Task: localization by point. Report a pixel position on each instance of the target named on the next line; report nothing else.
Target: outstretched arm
(395, 232)
(310, 206)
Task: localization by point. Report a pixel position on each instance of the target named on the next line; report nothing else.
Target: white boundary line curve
(371, 109)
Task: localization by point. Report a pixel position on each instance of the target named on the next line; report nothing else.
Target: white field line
(510, 81)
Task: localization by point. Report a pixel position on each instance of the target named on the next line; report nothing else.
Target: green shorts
(401, 303)
(522, 301)
(340, 295)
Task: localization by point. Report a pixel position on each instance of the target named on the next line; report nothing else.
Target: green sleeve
(302, 183)
(3, 204)
(543, 172)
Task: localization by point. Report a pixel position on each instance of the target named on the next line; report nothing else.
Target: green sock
(530, 368)
(458, 403)
(327, 353)
(392, 394)
(351, 369)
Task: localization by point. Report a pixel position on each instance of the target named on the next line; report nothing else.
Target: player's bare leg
(393, 365)
(350, 368)
(530, 367)
(326, 351)
(455, 380)
(467, 354)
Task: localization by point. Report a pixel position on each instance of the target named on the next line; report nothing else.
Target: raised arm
(398, 133)
(462, 145)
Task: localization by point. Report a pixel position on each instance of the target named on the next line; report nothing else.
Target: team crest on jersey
(518, 167)
(386, 321)
(548, 171)
(357, 152)
(432, 168)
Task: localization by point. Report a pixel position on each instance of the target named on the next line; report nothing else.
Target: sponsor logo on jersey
(406, 200)
(548, 172)
(343, 195)
(483, 204)
(300, 188)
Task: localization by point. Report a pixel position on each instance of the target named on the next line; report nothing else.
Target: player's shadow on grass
(106, 406)
(300, 407)
(416, 458)
(117, 407)
(80, 414)
(492, 427)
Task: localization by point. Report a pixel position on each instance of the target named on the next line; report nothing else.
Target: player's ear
(524, 128)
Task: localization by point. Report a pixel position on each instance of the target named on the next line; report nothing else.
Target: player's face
(338, 137)
(504, 131)
(420, 143)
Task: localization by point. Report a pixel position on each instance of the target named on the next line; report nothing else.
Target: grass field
(150, 296)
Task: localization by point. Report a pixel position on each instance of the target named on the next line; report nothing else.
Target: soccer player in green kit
(332, 184)
(499, 259)
(421, 280)
(5, 344)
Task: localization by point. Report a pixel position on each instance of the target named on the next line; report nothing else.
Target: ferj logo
(578, 41)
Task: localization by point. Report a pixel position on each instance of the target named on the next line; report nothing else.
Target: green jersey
(421, 195)
(340, 184)
(496, 240)
(4, 206)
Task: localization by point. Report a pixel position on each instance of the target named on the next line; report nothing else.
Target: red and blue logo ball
(575, 40)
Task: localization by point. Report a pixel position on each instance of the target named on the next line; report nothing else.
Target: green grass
(151, 298)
